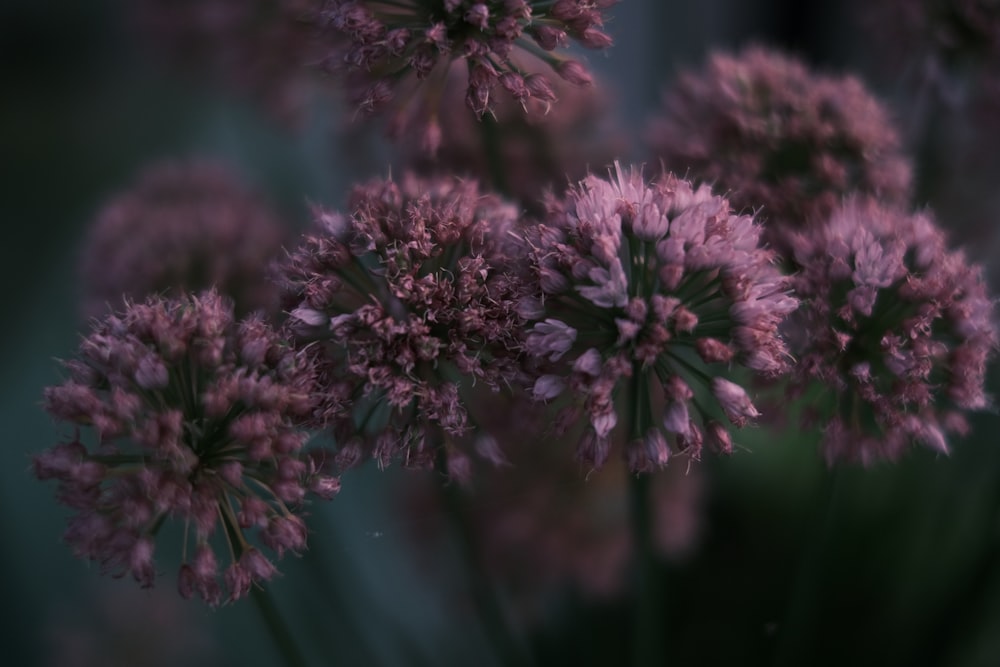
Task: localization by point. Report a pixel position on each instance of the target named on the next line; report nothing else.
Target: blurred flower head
(413, 304)
(896, 328)
(540, 526)
(779, 138)
(539, 146)
(118, 625)
(183, 226)
(654, 290)
(260, 49)
(400, 53)
(197, 420)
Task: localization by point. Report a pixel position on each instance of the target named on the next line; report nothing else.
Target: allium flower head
(896, 329)
(256, 48)
(413, 305)
(388, 48)
(659, 287)
(197, 421)
(538, 147)
(779, 138)
(181, 227)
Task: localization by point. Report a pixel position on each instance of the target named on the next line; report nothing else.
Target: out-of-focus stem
(647, 640)
(806, 587)
(277, 627)
(484, 597)
(490, 132)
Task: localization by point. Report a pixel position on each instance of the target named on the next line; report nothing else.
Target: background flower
(896, 328)
(546, 529)
(532, 146)
(897, 570)
(779, 139)
(400, 53)
(182, 226)
(260, 49)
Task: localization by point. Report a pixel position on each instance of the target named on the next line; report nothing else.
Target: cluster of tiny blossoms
(895, 328)
(411, 301)
(537, 147)
(258, 49)
(386, 48)
(779, 138)
(660, 284)
(196, 419)
(183, 226)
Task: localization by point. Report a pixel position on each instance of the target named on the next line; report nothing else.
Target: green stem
(277, 627)
(490, 131)
(806, 593)
(647, 643)
(484, 596)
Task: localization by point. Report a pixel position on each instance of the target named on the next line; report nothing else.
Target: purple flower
(662, 286)
(259, 49)
(390, 50)
(540, 145)
(779, 138)
(197, 420)
(412, 301)
(896, 329)
(181, 227)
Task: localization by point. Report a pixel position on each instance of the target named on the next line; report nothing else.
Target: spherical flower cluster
(535, 147)
(660, 287)
(387, 48)
(412, 303)
(779, 138)
(895, 328)
(182, 226)
(260, 49)
(197, 420)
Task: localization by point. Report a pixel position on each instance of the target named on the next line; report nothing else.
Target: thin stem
(490, 132)
(647, 644)
(806, 588)
(277, 627)
(484, 595)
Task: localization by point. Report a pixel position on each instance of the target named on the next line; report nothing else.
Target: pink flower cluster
(258, 49)
(779, 138)
(197, 419)
(659, 286)
(896, 327)
(538, 146)
(183, 226)
(388, 50)
(637, 316)
(411, 299)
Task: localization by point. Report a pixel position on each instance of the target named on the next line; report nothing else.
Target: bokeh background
(794, 564)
